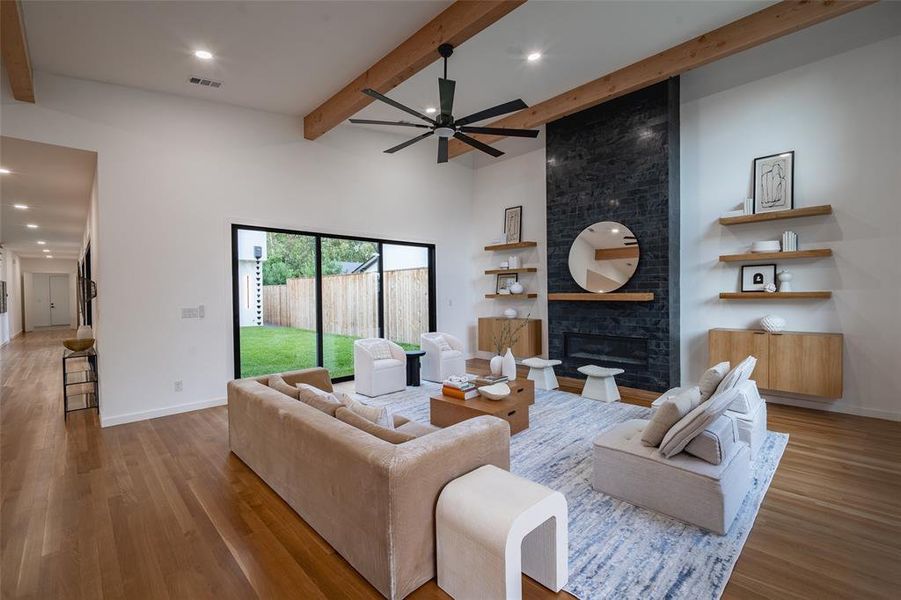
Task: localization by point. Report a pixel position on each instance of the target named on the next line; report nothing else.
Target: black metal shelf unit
(83, 374)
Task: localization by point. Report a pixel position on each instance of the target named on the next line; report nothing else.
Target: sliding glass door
(301, 299)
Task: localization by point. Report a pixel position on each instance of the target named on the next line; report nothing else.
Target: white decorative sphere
(510, 313)
(773, 323)
(516, 288)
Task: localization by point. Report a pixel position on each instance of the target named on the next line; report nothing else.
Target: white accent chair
(600, 383)
(380, 367)
(493, 526)
(541, 371)
(443, 356)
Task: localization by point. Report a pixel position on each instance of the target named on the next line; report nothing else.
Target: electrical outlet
(201, 311)
(179, 385)
(190, 313)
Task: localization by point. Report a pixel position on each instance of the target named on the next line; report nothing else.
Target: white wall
(10, 271)
(515, 181)
(173, 173)
(842, 117)
(48, 265)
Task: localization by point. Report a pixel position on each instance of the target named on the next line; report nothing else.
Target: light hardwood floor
(161, 509)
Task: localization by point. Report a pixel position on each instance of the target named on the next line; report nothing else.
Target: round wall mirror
(604, 257)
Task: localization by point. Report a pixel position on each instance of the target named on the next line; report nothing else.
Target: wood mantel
(607, 297)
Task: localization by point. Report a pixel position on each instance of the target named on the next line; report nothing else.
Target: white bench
(493, 526)
(541, 371)
(601, 383)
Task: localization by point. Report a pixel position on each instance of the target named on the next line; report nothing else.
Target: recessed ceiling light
(45, 250)
(203, 54)
(21, 206)
(41, 242)
(533, 56)
(614, 230)
(431, 110)
(31, 226)
(49, 256)
(5, 171)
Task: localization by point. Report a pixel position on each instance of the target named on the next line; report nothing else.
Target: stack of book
(490, 380)
(462, 390)
(789, 241)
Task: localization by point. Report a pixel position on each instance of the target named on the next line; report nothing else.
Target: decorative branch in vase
(503, 339)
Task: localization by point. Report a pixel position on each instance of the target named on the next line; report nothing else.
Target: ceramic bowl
(78, 345)
(498, 391)
(766, 246)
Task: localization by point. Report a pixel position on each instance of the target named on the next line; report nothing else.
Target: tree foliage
(290, 256)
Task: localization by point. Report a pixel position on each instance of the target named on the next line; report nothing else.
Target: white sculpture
(516, 288)
(772, 323)
(785, 281)
(510, 313)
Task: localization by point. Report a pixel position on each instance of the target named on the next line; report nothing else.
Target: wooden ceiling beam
(14, 51)
(459, 22)
(758, 28)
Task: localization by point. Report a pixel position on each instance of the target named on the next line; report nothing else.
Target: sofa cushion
(416, 429)
(715, 442)
(695, 422)
(378, 349)
(364, 424)
(748, 399)
(738, 375)
(373, 414)
(668, 413)
(387, 363)
(278, 383)
(711, 379)
(318, 399)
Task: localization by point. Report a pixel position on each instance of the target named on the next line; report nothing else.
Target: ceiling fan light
(444, 132)
(431, 110)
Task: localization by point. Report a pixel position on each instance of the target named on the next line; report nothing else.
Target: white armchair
(380, 367)
(443, 356)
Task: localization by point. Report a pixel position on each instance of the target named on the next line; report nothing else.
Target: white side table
(541, 371)
(601, 383)
(493, 526)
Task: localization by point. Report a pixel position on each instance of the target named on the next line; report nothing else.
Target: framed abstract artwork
(774, 182)
(513, 224)
(755, 278)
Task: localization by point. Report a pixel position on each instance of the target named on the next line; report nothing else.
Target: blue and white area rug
(616, 550)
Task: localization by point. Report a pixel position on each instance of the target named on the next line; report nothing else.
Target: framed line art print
(513, 224)
(774, 182)
(755, 278)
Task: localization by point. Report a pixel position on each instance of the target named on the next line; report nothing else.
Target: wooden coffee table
(514, 409)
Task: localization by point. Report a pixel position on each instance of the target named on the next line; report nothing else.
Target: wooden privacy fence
(350, 304)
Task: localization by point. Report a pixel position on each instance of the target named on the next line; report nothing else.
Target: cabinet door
(808, 364)
(737, 345)
(527, 342)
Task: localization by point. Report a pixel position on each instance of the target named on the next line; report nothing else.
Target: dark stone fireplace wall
(619, 161)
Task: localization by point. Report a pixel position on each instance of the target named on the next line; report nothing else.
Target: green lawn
(267, 350)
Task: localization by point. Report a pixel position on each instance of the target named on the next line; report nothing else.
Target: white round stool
(541, 371)
(601, 383)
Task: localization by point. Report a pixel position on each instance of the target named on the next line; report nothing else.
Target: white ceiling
(55, 183)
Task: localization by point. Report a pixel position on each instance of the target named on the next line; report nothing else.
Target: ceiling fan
(444, 125)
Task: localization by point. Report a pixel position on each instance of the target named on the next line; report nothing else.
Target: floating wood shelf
(514, 246)
(807, 211)
(503, 271)
(775, 295)
(815, 253)
(511, 296)
(608, 297)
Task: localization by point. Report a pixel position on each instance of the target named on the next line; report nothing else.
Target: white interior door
(59, 300)
(40, 300)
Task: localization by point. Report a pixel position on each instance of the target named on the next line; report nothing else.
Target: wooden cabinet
(528, 339)
(792, 362)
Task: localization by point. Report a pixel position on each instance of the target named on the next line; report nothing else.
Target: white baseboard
(847, 409)
(109, 421)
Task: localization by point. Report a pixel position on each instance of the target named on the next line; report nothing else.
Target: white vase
(516, 288)
(510, 313)
(508, 369)
(496, 364)
(785, 281)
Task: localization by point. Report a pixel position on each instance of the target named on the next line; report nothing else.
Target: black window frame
(318, 237)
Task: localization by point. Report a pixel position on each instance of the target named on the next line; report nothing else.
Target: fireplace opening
(606, 348)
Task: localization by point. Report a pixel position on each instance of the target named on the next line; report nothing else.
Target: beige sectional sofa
(372, 500)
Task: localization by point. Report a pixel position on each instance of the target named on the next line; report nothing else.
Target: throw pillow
(389, 435)
(712, 378)
(670, 411)
(713, 444)
(278, 383)
(318, 399)
(741, 373)
(380, 350)
(373, 414)
(695, 422)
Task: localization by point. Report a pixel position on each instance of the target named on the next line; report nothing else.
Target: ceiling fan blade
(478, 145)
(396, 104)
(446, 94)
(496, 111)
(398, 123)
(442, 150)
(408, 142)
(529, 133)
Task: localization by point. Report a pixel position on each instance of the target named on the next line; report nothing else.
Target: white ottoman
(601, 383)
(493, 526)
(541, 371)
